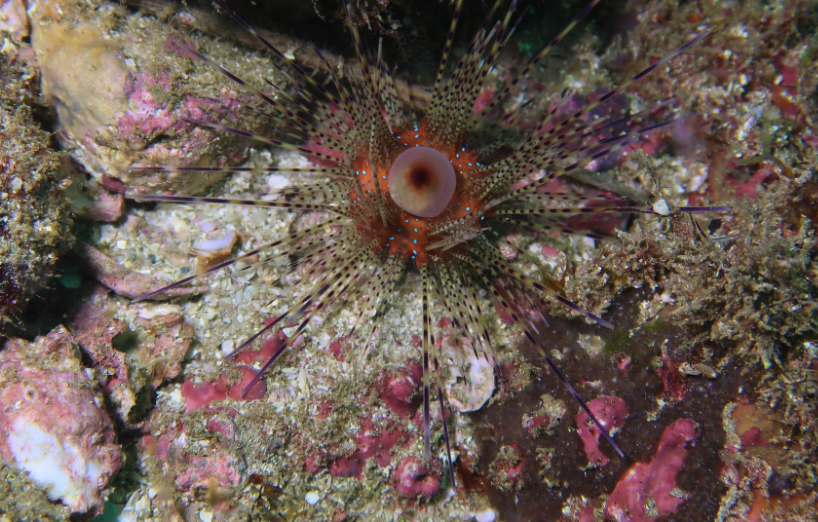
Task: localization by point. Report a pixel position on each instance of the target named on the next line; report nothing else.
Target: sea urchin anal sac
(401, 193)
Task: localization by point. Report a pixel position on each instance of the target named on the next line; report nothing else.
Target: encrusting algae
(704, 381)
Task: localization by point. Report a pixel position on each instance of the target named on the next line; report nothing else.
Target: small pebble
(485, 516)
(312, 498)
(661, 207)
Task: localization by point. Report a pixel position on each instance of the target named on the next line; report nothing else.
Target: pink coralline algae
(52, 424)
(192, 470)
(201, 395)
(372, 443)
(125, 376)
(648, 491)
(95, 335)
(412, 479)
(398, 391)
(611, 413)
(267, 349)
(114, 111)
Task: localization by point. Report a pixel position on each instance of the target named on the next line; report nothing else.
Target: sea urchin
(400, 192)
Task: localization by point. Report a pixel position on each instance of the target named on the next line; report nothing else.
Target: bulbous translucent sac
(422, 181)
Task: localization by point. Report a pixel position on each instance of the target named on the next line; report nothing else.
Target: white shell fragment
(486, 515)
(661, 207)
(221, 246)
(471, 391)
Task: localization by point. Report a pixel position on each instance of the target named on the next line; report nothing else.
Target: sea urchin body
(402, 192)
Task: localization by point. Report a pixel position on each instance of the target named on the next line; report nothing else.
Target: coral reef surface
(709, 376)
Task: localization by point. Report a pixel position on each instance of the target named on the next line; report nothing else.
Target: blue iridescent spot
(414, 251)
(416, 230)
(468, 209)
(400, 230)
(407, 221)
(415, 241)
(391, 239)
(463, 149)
(417, 136)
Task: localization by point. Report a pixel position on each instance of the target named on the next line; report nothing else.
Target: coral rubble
(53, 426)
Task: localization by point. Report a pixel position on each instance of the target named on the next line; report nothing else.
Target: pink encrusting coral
(53, 424)
(374, 443)
(648, 490)
(201, 395)
(398, 391)
(611, 413)
(413, 479)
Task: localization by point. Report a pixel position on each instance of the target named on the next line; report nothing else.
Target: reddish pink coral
(412, 479)
(351, 466)
(611, 412)
(653, 483)
(200, 395)
(236, 391)
(372, 443)
(313, 463)
(267, 349)
(398, 393)
(336, 349)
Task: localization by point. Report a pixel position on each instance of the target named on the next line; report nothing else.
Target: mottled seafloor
(117, 411)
